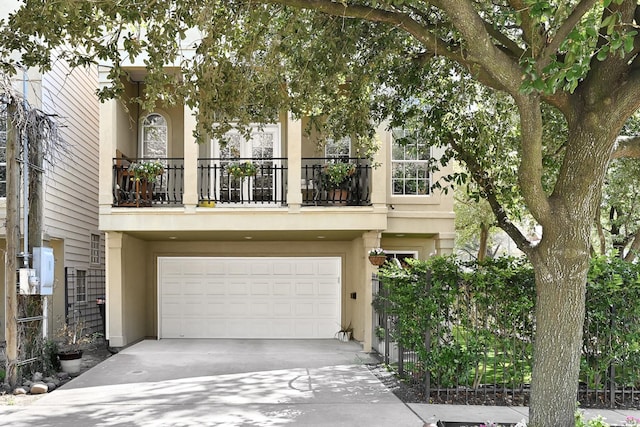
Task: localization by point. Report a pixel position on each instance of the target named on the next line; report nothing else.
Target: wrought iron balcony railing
(137, 189)
(242, 180)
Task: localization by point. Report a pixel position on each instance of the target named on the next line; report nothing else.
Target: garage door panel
(260, 288)
(249, 297)
(282, 288)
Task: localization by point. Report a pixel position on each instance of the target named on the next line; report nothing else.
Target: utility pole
(13, 241)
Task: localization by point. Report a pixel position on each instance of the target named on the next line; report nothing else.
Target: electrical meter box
(28, 282)
(43, 263)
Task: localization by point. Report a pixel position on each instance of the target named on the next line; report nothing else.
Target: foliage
(146, 170)
(479, 318)
(335, 175)
(73, 337)
(241, 169)
(611, 332)
(620, 207)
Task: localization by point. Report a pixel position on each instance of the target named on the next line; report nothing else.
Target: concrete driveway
(223, 383)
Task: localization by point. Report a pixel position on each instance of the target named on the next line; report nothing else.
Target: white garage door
(248, 297)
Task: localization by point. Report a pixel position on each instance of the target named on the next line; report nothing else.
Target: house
(210, 246)
(69, 197)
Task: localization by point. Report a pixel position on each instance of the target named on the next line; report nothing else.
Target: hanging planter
(377, 257)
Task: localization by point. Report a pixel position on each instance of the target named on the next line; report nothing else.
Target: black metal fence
(481, 354)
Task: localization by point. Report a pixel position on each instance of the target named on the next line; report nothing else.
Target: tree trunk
(484, 238)
(560, 288)
(561, 264)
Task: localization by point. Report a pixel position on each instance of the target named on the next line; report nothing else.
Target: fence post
(427, 343)
(612, 368)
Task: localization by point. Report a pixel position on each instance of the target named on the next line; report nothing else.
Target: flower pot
(377, 260)
(338, 196)
(344, 336)
(70, 361)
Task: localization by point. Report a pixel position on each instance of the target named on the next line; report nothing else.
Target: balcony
(265, 184)
(165, 190)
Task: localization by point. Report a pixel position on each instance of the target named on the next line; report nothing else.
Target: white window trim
(166, 118)
(97, 249)
(394, 161)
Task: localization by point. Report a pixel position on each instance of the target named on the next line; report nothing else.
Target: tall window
(154, 136)
(340, 149)
(95, 249)
(3, 150)
(409, 165)
(81, 286)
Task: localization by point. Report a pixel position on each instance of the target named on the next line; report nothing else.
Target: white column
(114, 290)
(370, 240)
(107, 151)
(294, 163)
(379, 174)
(190, 195)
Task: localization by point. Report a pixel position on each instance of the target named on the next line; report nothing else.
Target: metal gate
(85, 298)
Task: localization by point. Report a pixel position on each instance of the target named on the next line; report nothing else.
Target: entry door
(262, 146)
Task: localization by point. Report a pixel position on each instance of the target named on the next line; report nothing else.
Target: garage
(257, 297)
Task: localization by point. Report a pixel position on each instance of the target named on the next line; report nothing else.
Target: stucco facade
(289, 226)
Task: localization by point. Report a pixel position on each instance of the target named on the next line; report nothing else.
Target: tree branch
(567, 26)
(530, 170)
(529, 29)
(626, 146)
(398, 19)
(632, 253)
(488, 188)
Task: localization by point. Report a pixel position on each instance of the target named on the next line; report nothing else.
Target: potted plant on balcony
(336, 179)
(241, 170)
(377, 256)
(144, 174)
(146, 171)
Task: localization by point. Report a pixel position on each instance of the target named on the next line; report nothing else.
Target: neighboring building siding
(71, 184)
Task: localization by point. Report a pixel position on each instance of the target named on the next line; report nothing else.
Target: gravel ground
(90, 358)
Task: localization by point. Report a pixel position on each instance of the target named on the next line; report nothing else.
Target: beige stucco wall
(135, 284)
(139, 279)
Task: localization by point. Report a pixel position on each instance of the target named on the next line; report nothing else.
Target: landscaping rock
(62, 376)
(51, 386)
(19, 391)
(53, 380)
(39, 388)
(37, 377)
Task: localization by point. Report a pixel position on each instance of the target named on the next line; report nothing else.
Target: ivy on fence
(472, 323)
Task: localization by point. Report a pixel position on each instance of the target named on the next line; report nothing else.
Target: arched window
(155, 136)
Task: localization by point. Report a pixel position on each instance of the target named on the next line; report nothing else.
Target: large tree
(354, 62)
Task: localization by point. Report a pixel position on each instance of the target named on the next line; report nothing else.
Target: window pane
(410, 165)
(154, 136)
(338, 149)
